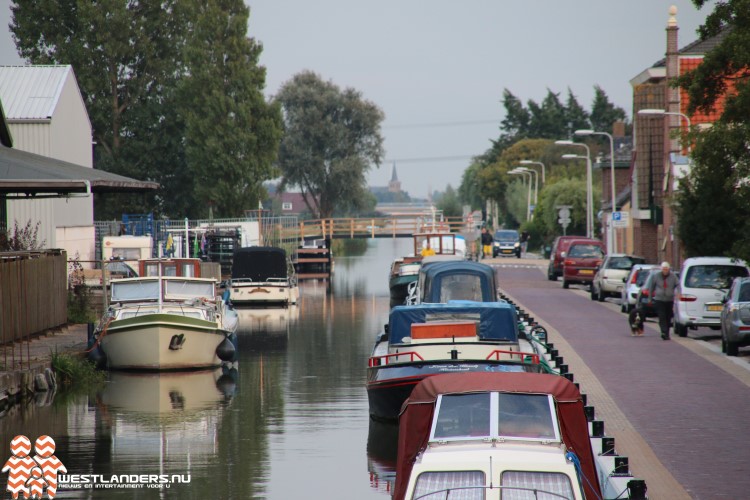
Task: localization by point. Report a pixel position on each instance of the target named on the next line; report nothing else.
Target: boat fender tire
(226, 350)
(97, 357)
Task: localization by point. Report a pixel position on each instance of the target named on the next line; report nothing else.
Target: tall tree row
(174, 94)
(528, 131)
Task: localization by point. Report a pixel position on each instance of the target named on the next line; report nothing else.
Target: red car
(583, 258)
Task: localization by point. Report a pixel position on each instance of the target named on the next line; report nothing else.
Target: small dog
(636, 319)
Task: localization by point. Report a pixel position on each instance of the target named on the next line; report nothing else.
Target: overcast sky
(438, 69)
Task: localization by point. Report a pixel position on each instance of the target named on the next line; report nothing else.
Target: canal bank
(26, 365)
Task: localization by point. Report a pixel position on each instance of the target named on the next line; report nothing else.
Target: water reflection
(266, 328)
(168, 418)
(291, 421)
(382, 447)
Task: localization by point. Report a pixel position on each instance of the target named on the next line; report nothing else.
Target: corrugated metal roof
(31, 92)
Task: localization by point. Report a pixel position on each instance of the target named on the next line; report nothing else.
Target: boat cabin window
(463, 415)
(525, 416)
(135, 290)
(126, 254)
(179, 289)
(541, 482)
(188, 270)
(460, 287)
(495, 415)
(151, 269)
(463, 485)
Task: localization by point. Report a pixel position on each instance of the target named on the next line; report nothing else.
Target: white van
(703, 283)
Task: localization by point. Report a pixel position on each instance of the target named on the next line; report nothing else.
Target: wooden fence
(33, 293)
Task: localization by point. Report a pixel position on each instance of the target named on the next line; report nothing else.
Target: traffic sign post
(620, 219)
(564, 216)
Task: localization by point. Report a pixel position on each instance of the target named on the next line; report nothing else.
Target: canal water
(290, 421)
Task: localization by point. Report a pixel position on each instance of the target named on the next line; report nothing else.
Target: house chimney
(618, 129)
(673, 94)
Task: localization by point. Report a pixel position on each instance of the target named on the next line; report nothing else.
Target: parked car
(609, 278)
(582, 259)
(506, 242)
(557, 255)
(735, 317)
(703, 284)
(643, 300)
(632, 285)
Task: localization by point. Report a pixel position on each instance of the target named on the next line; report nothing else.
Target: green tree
(517, 117)
(449, 203)
(548, 121)
(126, 60)
(331, 139)
(576, 117)
(231, 135)
(726, 65)
(570, 192)
(469, 191)
(603, 113)
(716, 190)
(174, 94)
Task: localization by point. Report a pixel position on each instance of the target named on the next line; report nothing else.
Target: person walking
(487, 240)
(524, 242)
(661, 296)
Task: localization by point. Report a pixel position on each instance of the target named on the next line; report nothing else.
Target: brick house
(659, 158)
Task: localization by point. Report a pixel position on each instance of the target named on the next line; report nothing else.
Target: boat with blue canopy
(459, 336)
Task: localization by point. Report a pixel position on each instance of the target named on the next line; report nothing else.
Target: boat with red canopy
(501, 435)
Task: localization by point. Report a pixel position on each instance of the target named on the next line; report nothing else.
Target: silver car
(632, 285)
(735, 317)
(608, 281)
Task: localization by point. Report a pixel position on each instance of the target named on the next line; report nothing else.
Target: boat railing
(534, 358)
(379, 360)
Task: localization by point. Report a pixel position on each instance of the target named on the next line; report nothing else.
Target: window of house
(286, 206)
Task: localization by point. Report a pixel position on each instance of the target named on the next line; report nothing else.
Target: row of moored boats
(486, 407)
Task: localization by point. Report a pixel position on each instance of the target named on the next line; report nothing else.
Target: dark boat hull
(388, 386)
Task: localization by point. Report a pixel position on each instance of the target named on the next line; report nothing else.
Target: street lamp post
(518, 171)
(612, 232)
(536, 181)
(530, 162)
(662, 112)
(589, 187)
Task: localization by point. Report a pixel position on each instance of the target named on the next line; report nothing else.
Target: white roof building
(46, 115)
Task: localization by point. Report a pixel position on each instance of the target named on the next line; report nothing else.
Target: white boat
(501, 436)
(166, 322)
(261, 276)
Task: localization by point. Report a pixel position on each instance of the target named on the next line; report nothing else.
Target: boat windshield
(461, 287)
(494, 415)
(174, 289)
(184, 289)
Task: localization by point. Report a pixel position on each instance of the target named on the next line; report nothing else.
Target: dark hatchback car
(581, 261)
(557, 256)
(506, 242)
